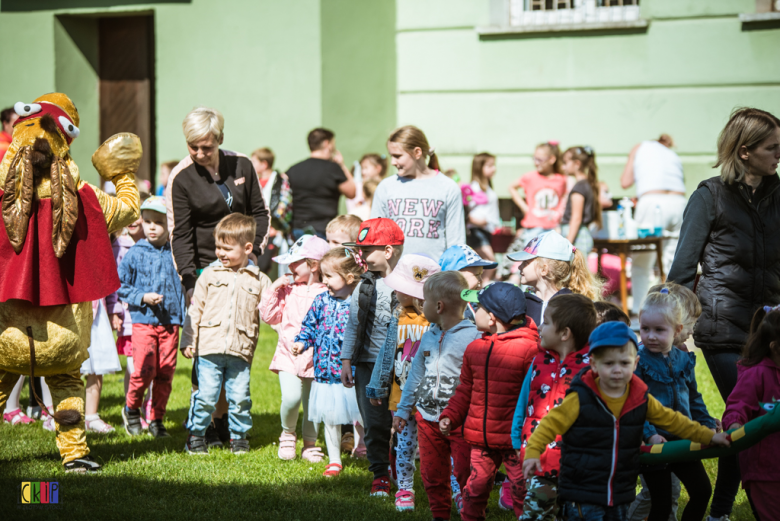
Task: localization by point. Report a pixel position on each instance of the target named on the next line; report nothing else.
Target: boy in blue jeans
(225, 323)
(153, 293)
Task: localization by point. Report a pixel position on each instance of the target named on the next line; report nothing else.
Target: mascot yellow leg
(7, 383)
(67, 392)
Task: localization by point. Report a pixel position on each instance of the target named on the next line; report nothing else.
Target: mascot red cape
(56, 258)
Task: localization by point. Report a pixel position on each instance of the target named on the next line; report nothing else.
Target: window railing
(554, 12)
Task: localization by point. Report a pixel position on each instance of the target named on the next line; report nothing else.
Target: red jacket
(492, 375)
(551, 379)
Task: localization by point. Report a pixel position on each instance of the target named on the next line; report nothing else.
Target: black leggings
(695, 480)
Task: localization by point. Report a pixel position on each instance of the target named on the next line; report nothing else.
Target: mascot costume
(56, 258)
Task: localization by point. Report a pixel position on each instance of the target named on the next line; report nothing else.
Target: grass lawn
(144, 478)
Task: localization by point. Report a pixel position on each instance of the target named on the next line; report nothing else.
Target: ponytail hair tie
(665, 291)
(431, 151)
(770, 308)
(553, 142)
(574, 249)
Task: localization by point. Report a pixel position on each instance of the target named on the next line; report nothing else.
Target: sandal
(359, 452)
(16, 417)
(287, 443)
(312, 454)
(98, 425)
(332, 470)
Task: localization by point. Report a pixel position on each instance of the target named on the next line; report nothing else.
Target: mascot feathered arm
(117, 160)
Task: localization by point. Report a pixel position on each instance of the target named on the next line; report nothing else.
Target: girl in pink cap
(395, 360)
(284, 305)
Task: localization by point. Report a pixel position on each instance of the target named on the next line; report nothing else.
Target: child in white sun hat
(552, 266)
(395, 359)
(284, 306)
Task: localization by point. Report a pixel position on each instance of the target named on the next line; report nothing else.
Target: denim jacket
(379, 386)
(672, 381)
(146, 269)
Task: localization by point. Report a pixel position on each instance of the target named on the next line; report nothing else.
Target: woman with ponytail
(424, 202)
(552, 266)
(582, 207)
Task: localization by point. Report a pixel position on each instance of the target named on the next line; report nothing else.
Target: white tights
(333, 442)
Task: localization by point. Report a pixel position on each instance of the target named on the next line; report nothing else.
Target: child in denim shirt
(671, 379)
(153, 292)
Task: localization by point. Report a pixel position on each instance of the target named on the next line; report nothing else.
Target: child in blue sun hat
(464, 259)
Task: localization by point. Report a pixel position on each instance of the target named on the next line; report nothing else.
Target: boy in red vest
(484, 403)
(568, 322)
(601, 422)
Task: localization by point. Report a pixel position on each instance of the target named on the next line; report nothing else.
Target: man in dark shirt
(317, 184)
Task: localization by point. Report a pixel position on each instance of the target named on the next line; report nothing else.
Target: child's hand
(531, 467)
(297, 348)
(116, 321)
(718, 426)
(735, 426)
(655, 439)
(721, 439)
(282, 281)
(445, 425)
(346, 374)
(375, 402)
(188, 352)
(399, 424)
(152, 299)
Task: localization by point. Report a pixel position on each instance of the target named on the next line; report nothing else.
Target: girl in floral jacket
(323, 329)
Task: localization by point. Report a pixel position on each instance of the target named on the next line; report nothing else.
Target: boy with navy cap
(493, 371)
(602, 421)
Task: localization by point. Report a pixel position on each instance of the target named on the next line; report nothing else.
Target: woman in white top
(660, 187)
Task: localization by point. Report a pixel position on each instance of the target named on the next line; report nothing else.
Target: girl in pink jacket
(759, 381)
(284, 306)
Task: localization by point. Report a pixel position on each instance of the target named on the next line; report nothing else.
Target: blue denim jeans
(212, 371)
(572, 511)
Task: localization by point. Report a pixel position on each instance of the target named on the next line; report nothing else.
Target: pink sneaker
(404, 500)
(16, 417)
(287, 445)
(312, 454)
(458, 500)
(505, 496)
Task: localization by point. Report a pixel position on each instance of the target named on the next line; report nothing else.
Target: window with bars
(551, 5)
(528, 13)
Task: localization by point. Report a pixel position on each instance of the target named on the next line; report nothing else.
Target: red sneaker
(380, 487)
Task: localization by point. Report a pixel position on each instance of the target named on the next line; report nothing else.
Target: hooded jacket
(494, 368)
(436, 370)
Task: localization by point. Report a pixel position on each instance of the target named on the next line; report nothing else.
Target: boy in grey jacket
(432, 380)
(379, 244)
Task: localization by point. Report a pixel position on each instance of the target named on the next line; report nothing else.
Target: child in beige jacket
(225, 323)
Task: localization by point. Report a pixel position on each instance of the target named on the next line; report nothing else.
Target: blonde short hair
(349, 224)
(688, 300)
(236, 228)
(669, 305)
(446, 286)
(202, 122)
(747, 128)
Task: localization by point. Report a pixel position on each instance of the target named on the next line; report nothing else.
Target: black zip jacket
(198, 205)
(735, 234)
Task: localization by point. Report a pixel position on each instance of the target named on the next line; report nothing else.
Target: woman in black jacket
(731, 226)
(205, 187)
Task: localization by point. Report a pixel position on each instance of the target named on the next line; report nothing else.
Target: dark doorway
(126, 71)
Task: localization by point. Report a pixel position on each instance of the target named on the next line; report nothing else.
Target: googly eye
(70, 129)
(26, 109)
(769, 406)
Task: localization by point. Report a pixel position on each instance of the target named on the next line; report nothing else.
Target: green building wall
(683, 76)
(275, 69)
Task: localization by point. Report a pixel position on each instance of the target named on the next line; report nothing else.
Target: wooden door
(126, 70)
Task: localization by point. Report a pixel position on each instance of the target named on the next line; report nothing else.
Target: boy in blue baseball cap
(464, 259)
(494, 367)
(602, 422)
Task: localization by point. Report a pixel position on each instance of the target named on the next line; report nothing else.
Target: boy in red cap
(379, 246)
(484, 403)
